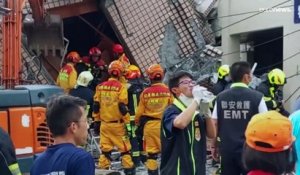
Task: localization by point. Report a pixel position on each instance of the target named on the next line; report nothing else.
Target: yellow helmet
(277, 77)
(223, 71)
(116, 68)
(155, 71)
(132, 72)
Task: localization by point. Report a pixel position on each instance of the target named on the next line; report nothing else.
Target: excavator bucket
(45, 38)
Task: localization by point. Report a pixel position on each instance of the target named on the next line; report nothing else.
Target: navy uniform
(233, 110)
(185, 153)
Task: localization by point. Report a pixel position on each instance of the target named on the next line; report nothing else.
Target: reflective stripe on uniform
(134, 102)
(239, 85)
(178, 166)
(132, 117)
(178, 104)
(272, 91)
(136, 154)
(270, 100)
(14, 169)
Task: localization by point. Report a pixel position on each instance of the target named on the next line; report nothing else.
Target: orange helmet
(118, 48)
(155, 71)
(94, 51)
(73, 57)
(115, 68)
(132, 72)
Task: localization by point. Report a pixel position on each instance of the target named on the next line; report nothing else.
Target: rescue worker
(223, 83)
(135, 87)
(118, 54)
(270, 87)
(153, 102)
(185, 126)
(97, 66)
(223, 79)
(110, 101)
(82, 91)
(68, 75)
(8, 160)
(232, 112)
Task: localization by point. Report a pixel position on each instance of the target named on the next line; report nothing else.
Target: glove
(204, 109)
(198, 93)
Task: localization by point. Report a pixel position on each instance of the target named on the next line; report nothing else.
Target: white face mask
(227, 78)
(185, 100)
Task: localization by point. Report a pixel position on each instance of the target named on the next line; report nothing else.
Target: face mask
(186, 100)
(227, 78)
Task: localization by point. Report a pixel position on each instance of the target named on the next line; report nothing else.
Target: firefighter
(153, 102)
(223, 83)
(110, 101)
(223, 79)
(68, 75)
(82, 91)
(118, 53)
(97, 66)
(271, 88)
(8, 160)
(135, 88)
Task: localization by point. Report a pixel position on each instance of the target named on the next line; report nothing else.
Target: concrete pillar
(230, 44)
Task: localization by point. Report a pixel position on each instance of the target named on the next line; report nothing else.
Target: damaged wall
(145, 23)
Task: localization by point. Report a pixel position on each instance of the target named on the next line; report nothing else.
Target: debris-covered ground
(93, 148)
(142, 170)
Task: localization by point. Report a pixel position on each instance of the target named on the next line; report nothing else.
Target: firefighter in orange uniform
(118, 52)
(153, 102)
(68, 75)
(110, 101)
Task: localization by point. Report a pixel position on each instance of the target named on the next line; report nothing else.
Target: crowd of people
(249, 128)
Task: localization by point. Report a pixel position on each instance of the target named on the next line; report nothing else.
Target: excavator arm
(11, 28)
(12, 32)
(38, 13)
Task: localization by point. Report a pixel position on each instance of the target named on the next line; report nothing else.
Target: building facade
(263, 32)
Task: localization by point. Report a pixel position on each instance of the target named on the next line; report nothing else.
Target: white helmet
(84, 78)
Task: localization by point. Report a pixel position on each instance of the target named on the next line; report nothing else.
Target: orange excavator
(22, 107)
(11, 29)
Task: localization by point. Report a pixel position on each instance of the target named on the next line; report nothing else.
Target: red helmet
(94, 51)
(73, 57)
(115, 68)
(118, 48)
(155, 71)
(132, 72)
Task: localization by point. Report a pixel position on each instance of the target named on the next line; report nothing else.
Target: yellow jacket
(153, 101)
(67, 77)
(124, 60)
(109, 94)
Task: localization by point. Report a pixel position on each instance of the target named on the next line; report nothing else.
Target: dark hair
(277, 162)
(238, 70)
(174, 79)
(62, 111)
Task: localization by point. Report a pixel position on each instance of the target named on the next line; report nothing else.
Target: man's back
(235, 107)
(84, 93)
(64, 159)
